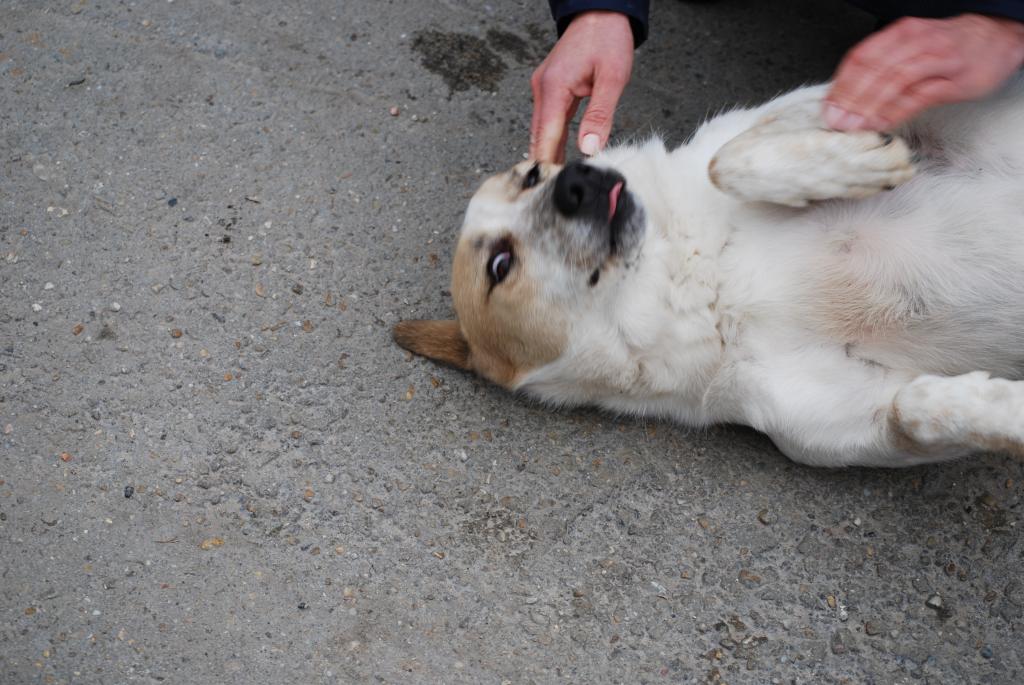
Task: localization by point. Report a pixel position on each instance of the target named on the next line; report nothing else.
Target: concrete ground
(217, 467)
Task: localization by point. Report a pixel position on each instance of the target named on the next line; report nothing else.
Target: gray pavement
(216, 467)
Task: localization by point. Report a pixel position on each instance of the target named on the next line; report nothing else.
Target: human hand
(594, 57)
(914, 64)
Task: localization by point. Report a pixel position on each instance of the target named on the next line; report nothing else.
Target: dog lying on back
(759, 275)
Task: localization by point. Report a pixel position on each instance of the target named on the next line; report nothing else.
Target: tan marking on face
(508, 186)
(511, 328)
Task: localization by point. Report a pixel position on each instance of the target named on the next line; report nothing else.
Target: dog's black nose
(577, 188)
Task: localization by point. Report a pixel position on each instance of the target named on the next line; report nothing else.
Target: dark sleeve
(887, 11)
(565, 10)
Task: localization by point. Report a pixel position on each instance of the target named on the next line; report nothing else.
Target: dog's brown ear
(438, 340)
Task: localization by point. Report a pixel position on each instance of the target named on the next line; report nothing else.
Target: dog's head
(537, 245)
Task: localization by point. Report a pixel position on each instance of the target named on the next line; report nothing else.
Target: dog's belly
(926, 279)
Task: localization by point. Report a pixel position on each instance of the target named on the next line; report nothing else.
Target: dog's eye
(532, 177)
(500, 265)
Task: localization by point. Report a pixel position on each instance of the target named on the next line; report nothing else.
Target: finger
(880, 100)
(919, 97)
(859, 75)
(861, 63)
(565, 131)
(550, 130)
(596, 124)
(535, 116)
(552, 102)
(560, 153)
(864, 68)
(905, 77)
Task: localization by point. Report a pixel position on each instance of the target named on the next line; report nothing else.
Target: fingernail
(852, 122)
(833, 114)
(590, 145)
(838, 118)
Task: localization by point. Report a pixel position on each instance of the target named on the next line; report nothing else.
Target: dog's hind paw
(970, 411)
(799, 166)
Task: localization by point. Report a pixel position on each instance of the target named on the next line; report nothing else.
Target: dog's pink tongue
(613, 199)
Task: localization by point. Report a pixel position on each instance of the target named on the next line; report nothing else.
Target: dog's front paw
(796, 167)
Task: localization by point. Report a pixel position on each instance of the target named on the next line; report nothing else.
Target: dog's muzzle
(585, 192)
(595, 197)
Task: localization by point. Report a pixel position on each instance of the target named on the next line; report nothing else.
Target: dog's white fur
(784, 291)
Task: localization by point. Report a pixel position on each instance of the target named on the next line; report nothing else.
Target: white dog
(759, 275)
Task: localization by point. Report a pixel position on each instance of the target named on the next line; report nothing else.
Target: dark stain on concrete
(512, 45)
(462, 60)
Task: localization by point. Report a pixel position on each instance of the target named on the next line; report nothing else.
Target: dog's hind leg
(848, 413)
(790, 158)
(972, 411)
